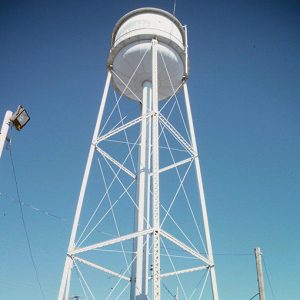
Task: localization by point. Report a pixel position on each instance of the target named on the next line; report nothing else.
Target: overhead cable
(24, 226)
(268, 277)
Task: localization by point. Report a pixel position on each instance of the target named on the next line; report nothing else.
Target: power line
(215, 253)
(168, 290)
(46, 213)
(65, 220)
(268, 277)
(254, 296)
(24, 224)
(233, 254)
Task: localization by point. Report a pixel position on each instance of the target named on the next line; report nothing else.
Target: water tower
(144, 230)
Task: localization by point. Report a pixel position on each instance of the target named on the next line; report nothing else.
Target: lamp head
(20, 118)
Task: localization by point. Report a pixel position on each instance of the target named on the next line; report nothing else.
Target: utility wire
(215, 253)
(24, 225)
(254, 296)
(268, 277)
(168, 290)
(65, 220)
(45, 212)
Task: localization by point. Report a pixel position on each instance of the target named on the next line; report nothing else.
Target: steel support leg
(201, 194)
(69, 262)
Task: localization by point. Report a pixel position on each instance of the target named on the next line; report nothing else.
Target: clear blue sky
(245, 92)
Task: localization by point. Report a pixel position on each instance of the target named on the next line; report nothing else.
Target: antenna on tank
(174, 7)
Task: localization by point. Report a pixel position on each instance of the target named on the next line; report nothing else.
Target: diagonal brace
(185, 247)
(111, 242)
(110, 158)
(121, 128)
(98, 267)
(189, 270)
(177, 135)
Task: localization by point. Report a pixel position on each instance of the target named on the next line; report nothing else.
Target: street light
(18, 119)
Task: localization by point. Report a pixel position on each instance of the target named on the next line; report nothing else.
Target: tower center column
(155, 176)
(139, 273)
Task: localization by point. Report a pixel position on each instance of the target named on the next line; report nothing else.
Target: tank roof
(146, 10)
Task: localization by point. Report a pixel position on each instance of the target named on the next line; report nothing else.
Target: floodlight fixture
(20, 118)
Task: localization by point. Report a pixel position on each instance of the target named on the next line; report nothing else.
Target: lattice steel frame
(155, 230)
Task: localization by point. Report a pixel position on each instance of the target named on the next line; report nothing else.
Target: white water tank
(131, 40)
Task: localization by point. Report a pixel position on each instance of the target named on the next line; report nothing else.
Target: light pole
(260, 279)
(4, 130)
(17, 119)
